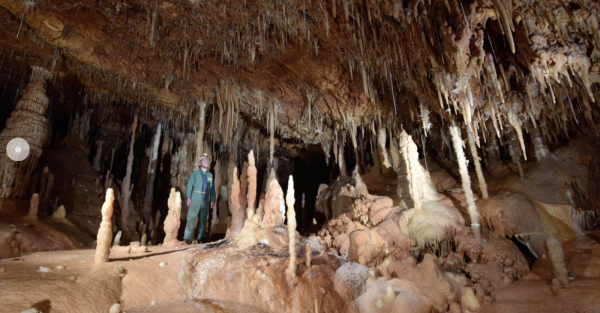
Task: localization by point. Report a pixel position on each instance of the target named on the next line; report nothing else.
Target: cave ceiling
(323, 65)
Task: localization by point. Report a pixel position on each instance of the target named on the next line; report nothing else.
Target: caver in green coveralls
(201, 196)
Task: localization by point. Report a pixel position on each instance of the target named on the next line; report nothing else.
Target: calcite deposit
(366, 156)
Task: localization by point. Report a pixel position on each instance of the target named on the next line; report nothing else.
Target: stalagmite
(252, 176)
(466, 180)
(149, 196)
(307, 254)
(60, 212)
(127, 184)
(105, 232)
(291, 216)
(244, 188)
(29, 123)
(557, 259)
(171, 225)
(237, 212)
(477, 161)
(117, 240)
(384, 157)
(413, 160)
(34, 205)
(274, 207)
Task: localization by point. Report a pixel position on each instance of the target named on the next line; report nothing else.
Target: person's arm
(190, 186)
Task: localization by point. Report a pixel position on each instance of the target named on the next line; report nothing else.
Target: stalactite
(384, 157)
(98, 155)
(477, 162)
(514, 155)
(149, 196)
(127, 184)
(516, 124)
(466, 180)
(291, 216)
(271, 124)
(541, 150)
(200, 133)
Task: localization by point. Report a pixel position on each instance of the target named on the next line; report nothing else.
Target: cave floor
(149, 287)
(86, 284)
(533, 293)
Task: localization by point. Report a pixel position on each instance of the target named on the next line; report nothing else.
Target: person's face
(204, 163)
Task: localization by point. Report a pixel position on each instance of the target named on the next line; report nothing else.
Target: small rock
(73, 278)
(120, 270)
(44, 269)
(162, 264)
(60, 267)
(572, 275)
(115, 308)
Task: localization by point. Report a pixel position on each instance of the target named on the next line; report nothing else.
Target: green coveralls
(200, 207)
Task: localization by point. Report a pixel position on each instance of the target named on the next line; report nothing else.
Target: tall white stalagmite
(466, 180)
(291, 216)
(252, 176)
(105, 232)
(477, 161)
(172, 221)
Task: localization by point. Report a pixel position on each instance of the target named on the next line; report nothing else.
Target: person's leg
(203, 212)
(192, 216)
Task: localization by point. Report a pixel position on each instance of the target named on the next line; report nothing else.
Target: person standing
(200, 197)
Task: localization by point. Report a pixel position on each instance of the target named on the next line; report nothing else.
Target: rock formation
(274, 207)
(29, 123)
(172, 222)
(252, 177)
(105, 232)
(291, 218)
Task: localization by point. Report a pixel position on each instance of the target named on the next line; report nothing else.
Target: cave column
(477, 161)
(466, 180)
(148, 198)
(29, 123)
(127, 183)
